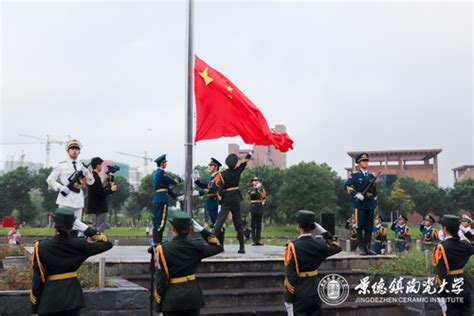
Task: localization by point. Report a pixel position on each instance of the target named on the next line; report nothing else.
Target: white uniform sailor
(71, 195)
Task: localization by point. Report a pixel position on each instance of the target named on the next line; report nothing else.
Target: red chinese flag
(224, 111)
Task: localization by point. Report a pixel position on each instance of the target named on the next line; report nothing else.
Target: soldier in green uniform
(449, 259)
(176, 291)
(257, 196)
(55, 287)
(302, 259)
(228, 182)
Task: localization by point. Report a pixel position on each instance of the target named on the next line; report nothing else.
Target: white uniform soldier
(58, 180)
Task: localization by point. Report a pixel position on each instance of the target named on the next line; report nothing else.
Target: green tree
(401, 200)
(463, 194)
(15, 187)
(49, 196)
(308, 186)
(117, 200)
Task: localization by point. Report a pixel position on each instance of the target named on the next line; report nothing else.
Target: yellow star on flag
(205, 76)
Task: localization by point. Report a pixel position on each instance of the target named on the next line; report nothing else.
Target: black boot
(158, 238)
(254, 237)
(221, 236)
(240, 237)
(361, 243)
(367, 240)
(259, 234)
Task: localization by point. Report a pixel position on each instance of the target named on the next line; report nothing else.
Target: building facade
(463, 172)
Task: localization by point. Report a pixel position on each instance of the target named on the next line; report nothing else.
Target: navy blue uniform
(162, 186)
(363, 210)
(209, 189)
(402, 237)
(380, 239)
(429, 237)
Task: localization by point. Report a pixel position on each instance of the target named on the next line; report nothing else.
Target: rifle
(371, 183)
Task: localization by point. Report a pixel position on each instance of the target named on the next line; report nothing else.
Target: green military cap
(403, 217)
(181, 220)
(64, 216)
(450, 220)
(305, 217)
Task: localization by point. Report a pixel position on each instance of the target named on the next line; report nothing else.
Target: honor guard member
(352, 229)
(228, 182)
(209, 189)
(257, 196)
(67, 178)
(364, 205)
(465, 227)
(380, 236)
(429, 234)
(402, 234)
(449, 259)
(302, 260)
(176, 291)
(55, 288)
(161, 185)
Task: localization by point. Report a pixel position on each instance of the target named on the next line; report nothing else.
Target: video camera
(110, 173)
(75, 181)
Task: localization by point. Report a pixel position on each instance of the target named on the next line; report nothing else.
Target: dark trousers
(230, 204)
(308, 306)
(160, 213)
(365, 225)
(74, 312)
(212, 206)
(188, 312)
(256, 214)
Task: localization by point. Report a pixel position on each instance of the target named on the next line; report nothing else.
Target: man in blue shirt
(364, 204)
(162, 187)
(209, 189)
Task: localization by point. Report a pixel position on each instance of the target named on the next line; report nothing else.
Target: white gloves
(181, 198)
(289, 308)
(195, 193)
(319, 229)
(263, 202)
(64, 190)
(359, 196)
(195, 175)
(197, 227)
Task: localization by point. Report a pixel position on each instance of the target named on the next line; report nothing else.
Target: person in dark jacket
(176, 291)
(56, 290)
(302, 260)
(228, 182)
(449, 259)
(97, 196)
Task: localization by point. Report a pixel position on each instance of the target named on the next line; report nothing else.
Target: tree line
(306, 185)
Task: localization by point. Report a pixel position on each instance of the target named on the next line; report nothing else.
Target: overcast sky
(340, 75)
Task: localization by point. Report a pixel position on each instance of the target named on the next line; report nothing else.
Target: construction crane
(42, 140)
(145, 158)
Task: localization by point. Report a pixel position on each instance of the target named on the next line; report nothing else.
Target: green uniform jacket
(182, 256)
(310, 254)
(56, 256)
(449, 259)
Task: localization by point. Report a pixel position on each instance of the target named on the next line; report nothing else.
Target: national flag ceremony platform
(250, 283)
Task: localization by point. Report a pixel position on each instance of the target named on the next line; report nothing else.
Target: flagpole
(188, 174)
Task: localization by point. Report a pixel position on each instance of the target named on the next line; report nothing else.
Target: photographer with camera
(98, 192)
(68, 178)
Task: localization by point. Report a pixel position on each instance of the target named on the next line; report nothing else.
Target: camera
(110, 173)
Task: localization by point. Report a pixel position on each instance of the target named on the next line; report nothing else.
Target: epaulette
(64, 161)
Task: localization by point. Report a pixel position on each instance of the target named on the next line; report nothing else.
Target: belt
(231, 189)
(456, 272)
(62, 276)
(183, 279)
(162, 190)
(308, 274)
(211, 194)
(256, 201)
(378, 241)
(400, 239)
(427, 242)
